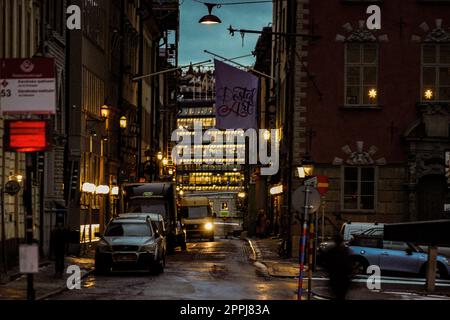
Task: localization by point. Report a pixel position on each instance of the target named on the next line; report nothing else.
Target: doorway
(431, 195)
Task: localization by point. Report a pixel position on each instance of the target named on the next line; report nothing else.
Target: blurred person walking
(339, 267)
(59, 244)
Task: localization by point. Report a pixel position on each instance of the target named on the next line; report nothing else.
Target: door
(431, 193)
(394, 257)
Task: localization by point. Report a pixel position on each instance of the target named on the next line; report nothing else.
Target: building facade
(221, 183)
(30, 29)
(113, 132)
(370, 106)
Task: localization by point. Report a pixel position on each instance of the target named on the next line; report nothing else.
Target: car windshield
(377, 232)
(117, 229)
(196, 212)
(416, 248)
(145, 205)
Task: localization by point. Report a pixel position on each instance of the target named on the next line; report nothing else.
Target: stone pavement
(269, 263)
(45, 282)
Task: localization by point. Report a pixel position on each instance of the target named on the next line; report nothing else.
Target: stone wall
(392, 198)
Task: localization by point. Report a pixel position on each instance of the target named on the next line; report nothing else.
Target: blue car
(392, 256)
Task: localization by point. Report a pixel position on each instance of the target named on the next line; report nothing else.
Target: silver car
(131, 243)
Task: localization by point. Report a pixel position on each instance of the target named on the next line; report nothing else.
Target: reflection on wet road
(207, 271)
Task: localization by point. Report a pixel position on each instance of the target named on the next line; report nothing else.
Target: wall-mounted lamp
(160, 156)
(104, 112)
(102, 190)
(267, 135)
(88, 188)
(123, 122)
(306, 169)
(115, 191)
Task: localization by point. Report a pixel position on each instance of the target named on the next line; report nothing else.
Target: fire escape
(167, 16)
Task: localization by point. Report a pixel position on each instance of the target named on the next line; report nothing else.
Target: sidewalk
(269, 263)
(45, 282)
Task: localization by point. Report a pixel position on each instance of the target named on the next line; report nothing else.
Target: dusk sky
(196, 37)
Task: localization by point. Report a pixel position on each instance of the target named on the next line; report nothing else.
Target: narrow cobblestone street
(207, 271)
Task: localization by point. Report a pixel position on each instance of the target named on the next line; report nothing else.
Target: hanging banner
(236, 98)
(27, 86)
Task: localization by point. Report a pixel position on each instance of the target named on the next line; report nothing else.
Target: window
(361, 74)
(436, 72)
(395, 245)
(368, 242)
(359, 191)
(94, 21)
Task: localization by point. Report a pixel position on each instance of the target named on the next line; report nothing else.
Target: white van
(350, 228)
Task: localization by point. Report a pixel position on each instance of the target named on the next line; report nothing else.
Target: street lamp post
(305, 170)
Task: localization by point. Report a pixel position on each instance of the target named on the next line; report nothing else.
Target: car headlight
(209, 226)
(148, 248)
(103, 246)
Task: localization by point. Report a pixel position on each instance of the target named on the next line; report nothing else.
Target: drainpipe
(140, 93)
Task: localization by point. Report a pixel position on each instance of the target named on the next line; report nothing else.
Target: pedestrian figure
(339, 267)
(59, 242)
(261, 224)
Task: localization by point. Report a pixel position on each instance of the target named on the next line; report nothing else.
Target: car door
(367, 247)
(399, 257)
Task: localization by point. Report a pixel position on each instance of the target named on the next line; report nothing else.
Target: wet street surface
(217, 270)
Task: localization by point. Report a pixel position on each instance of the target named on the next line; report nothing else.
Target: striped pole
(303, 244)
(311, 258)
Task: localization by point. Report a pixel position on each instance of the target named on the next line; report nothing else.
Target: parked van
(350, 228)
(158, 198)
(197, 218)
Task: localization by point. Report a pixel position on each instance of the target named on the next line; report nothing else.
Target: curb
(14, 276)
(259, 263)
(263, 265)
(62, 289)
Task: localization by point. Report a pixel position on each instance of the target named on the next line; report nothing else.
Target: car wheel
(441, 271)
(101, 268)
(359, 266)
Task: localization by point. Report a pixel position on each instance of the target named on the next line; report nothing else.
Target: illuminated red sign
(26, 135)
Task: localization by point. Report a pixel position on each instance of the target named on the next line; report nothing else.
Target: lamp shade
(115, 191)
(102, 190)
(123, 122)
(104, 110)
(210, 18)
(88, 188)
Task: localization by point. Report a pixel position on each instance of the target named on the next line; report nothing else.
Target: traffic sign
(28, 86)
(299, 197)
(322, 185)
(312, 182)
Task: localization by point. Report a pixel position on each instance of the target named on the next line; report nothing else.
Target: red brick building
(371, 107)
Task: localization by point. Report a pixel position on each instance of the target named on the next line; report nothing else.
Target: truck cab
(197, 218)
(157, 198)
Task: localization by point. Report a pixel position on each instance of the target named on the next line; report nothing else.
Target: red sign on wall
(27, 136)
(322, 185)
